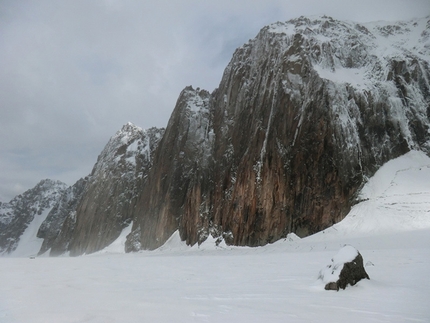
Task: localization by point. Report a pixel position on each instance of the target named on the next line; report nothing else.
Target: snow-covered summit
(197, 100)
(349, 52)
(39, 197)
(127, 132)
(125, 147)
(109, 197)
(411, 36)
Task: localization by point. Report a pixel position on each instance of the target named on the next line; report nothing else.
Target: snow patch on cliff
(357, 77)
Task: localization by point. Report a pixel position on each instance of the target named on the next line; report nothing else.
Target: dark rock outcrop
(304, 113)
(346, 268)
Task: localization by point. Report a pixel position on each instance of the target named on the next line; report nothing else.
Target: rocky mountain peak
(115, 178)
(121, 147)
(108, 199)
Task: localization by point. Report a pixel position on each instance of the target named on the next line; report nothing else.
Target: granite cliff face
(304, 113)
(182, 165)
(88, 215)
(108, 199)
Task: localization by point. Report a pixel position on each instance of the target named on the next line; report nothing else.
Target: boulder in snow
(346, 267)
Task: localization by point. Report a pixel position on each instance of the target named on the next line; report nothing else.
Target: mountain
(305, 113)
(55, 238)
(22, 216)
(88, 215)
(105, 203)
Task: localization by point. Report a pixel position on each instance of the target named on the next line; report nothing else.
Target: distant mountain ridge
(304, 114)
(28, 208)
(106, 196)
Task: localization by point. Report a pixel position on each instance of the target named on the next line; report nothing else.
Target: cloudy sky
(72, 72)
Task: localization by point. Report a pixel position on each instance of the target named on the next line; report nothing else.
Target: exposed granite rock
(304, 113)
(346, 268)
(109, 197)
(182, 164)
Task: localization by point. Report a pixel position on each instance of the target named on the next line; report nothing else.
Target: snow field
(227, 285)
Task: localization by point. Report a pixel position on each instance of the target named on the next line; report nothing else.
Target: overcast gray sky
(72, 72)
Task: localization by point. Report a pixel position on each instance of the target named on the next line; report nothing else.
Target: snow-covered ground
(274, 283)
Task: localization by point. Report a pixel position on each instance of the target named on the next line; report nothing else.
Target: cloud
(74, 71)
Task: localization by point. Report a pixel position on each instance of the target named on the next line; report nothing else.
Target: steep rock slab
(109, 197)
(182, 169)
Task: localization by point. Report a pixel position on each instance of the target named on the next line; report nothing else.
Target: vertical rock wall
(304, 113)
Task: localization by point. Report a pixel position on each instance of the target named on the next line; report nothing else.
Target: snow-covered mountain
(21, 218)
(87, 216)
(305, 113)
(107, 201)
(316, 121)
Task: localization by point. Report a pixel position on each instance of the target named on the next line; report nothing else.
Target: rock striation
(181, 175)
(304, 113)
(90, 214)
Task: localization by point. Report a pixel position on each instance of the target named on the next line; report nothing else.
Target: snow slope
(396, 198)
(274, 283)
(29, 244)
